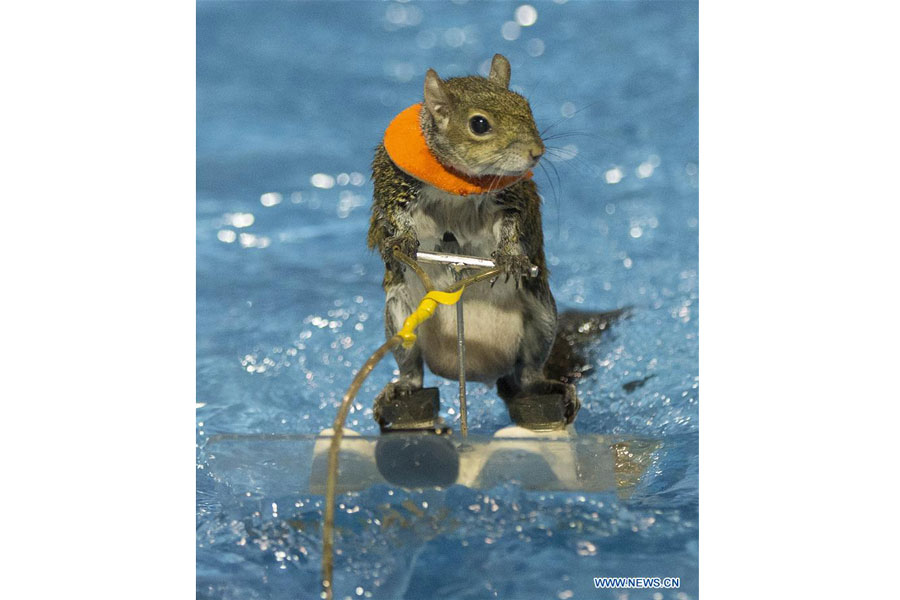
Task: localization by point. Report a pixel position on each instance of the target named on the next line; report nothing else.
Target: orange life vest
(405, 144)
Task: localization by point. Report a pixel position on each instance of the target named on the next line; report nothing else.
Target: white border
(98, 320)
(798, 271)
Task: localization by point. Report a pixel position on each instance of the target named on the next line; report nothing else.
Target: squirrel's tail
(568, 361)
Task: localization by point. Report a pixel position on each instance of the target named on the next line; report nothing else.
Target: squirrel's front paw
(513, 265)
(406, 243)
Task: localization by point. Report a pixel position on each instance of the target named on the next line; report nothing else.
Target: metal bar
(454, 259)
(461, 345)
(461, 259)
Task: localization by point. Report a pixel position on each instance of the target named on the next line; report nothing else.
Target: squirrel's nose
(536, 151)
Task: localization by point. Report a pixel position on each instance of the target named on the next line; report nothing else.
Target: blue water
(291, 100)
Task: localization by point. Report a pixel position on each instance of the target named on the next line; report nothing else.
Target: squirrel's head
(477, 126)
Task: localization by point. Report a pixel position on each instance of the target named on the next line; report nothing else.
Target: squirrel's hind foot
(541, 403)
(406, 406)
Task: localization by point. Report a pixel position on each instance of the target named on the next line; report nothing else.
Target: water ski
(272, 465)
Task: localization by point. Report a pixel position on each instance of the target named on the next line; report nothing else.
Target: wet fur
(495, 312)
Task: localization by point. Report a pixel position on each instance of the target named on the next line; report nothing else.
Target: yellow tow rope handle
(424, 312)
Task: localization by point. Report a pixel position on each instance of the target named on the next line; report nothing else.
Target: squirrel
(453, 175)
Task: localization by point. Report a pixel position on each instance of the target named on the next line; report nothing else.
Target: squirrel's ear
(437, 100)
(500, 70)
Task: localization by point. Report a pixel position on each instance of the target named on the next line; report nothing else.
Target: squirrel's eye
(479, 125)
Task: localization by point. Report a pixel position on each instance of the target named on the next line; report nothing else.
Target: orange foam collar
(406, 146)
